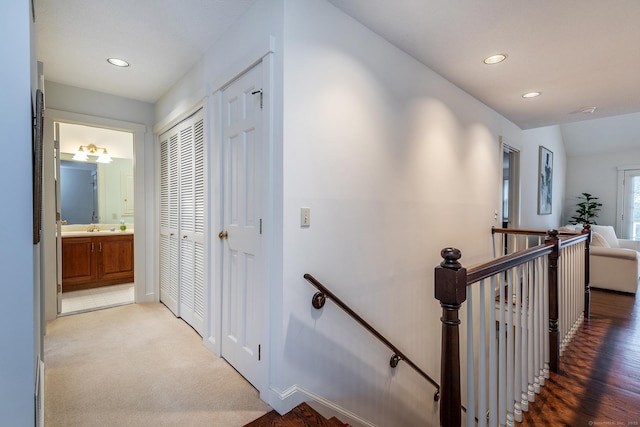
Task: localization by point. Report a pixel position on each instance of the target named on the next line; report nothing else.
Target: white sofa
(615, 263)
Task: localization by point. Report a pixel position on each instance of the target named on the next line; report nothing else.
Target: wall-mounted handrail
(318, 301)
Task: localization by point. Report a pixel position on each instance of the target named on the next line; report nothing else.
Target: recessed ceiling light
(118, 62)
(531, 94)
(495, 59)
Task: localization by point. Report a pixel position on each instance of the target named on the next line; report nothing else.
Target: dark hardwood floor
(599, 379)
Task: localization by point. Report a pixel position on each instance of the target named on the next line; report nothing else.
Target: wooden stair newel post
(586, 229)
(451, 291)
(554, 334)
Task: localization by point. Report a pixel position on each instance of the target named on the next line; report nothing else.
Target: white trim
(180, 113)
(299, 394)
(620, 202)
(39, 392)
(213, 339)
(620, 199)
(628, 167)
(245, 63)
(515, 188)
(217, 217)
(142, 292)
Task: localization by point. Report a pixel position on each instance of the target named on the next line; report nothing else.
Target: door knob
(223, 235)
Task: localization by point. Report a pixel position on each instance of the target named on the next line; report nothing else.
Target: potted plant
(587, 210)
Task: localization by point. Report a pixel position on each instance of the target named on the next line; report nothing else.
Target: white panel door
(243, 290)
(168, 257)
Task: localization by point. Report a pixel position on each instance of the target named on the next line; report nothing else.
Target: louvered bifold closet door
(186, 224)
(182, 220)
(199, 226)
(168, 250)
(192, 201)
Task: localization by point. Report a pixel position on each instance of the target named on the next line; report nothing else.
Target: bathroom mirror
(92, 192)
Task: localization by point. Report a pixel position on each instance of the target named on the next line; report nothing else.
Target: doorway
(52, 215)
(96, 230)
(629, 202)
(510, 190)
(509, 216)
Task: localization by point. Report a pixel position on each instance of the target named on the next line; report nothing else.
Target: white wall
(597, 175)
(395, 163)
(549, 137)
(17, 267)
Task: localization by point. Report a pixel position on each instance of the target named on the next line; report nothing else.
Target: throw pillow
(598, 240)
(608, 233)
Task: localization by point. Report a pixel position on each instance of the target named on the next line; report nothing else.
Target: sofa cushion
(598, 240)
(608, 233)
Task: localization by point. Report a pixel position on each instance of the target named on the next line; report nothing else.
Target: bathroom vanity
(91, 260)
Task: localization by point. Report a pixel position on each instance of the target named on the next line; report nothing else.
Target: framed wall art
(545, 181)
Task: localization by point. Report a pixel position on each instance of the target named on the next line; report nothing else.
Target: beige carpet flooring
(138, 365)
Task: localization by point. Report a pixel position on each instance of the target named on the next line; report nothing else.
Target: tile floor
(94, 299)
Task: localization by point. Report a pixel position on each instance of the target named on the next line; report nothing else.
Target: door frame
(267, 267)
(49, 223)
(514, 183)
(620, 199)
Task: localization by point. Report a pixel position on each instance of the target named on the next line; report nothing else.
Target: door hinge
(259, 352)
(260, 225)
(56, 144)
(59, 288)
(261, 95)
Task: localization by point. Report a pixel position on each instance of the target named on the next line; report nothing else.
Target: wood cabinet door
(116, 257)
(78, 260)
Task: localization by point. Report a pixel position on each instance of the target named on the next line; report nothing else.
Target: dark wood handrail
(523, 231)
(495, 230)
(397, 356)
(499, 265)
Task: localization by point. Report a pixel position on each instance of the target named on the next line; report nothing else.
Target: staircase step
(302, 415)
(334, 422)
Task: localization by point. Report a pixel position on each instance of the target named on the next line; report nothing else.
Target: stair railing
(318, 300)
(518, 307)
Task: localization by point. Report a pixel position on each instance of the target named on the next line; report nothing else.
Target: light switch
(305, 217)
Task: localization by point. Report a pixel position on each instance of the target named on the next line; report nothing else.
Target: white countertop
(95, 233)
(80, 230)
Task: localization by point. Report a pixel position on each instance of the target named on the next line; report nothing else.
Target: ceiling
(578, 53)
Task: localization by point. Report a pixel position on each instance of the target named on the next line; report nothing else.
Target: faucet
(93, 228)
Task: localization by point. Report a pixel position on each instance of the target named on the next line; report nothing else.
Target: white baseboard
(39, 394)
(294, 395)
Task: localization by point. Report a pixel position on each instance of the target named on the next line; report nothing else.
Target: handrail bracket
(395, 359)
(318, 300)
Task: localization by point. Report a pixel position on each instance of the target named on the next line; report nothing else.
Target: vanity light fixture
(495, 59)
(531, 94)
(118, 62)
(80, 155)
(103, 156)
